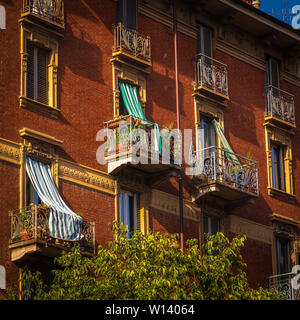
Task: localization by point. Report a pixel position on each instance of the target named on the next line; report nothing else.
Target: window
(31, 195)
(122, 108)
(207, 136)
(278, 168)
(211, 225)
(37, 73)
(204, 41)
(129, 210)
(127, 13)
(279, 162)
(272, 73)
(282, 255)
(124, 88)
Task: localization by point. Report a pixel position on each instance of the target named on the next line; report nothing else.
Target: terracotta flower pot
(24, 235)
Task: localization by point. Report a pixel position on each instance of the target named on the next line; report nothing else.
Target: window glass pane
(211, 225)
(283, 255)
(208, 135)
(127, 13)
(122, 108)
(204, 42)
(214, 225)
(32, 196)
(273, 74)
(278, 171)
(129, 210)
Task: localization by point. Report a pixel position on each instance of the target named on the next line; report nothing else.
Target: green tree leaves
(151, 267)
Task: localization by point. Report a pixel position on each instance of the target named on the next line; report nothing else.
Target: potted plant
(25, 219)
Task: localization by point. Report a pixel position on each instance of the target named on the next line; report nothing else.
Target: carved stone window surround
(281, 137)
(40, 147)
(43, 38)
(131, 74)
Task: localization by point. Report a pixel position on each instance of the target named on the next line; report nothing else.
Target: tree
(149, 267)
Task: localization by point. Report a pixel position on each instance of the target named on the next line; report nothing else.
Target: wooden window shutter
(42, 75)
(37, 73)
(30, 71)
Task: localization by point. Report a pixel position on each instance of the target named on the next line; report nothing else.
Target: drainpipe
(178, 124)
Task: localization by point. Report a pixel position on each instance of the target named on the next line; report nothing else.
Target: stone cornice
(250, 229)
(85, 176)
(32, 134)
(169, 203)
(10, 151)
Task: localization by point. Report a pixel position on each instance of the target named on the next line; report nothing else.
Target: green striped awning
(226, 146)
(133, 106)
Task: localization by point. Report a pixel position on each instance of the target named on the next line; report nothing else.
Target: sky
(277, 6)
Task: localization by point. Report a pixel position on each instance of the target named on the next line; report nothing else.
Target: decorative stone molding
(88, 177)
(281, 137)
(10, 151)
(250, 229)
(129, 73)
(170, 204)
(45, 39)
(284, 227)
(132, 179)
(39, 146)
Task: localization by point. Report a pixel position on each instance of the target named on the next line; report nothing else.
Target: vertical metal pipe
(178, 125)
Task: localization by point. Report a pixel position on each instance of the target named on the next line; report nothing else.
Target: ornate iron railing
(32, 223)
(132, 41)
(280, 104)
(216, 164)
(283, 283)
(134, 135)
(52, 10)
(211, 74)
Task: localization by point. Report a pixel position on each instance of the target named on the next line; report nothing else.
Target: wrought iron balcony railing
(211, 74)
(130, 131)
(280, 104)
(214, 164)
(283, 283)
(51, 10)
(31, 223)
(132, 42)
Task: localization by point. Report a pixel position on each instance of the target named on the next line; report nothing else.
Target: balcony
(211, 77)
(280, 107)
(30, 235)
(134, 143)
(283, 283)
(131, 45)
(223, 174)
(48, 12)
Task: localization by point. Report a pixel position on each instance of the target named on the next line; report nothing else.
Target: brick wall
(85, 99)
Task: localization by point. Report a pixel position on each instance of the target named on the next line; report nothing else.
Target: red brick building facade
(62, 65)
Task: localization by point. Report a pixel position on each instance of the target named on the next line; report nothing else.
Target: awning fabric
(133, 106)
(231, 156)
(63, 222)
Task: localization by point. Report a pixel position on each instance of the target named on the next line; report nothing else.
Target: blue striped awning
(63, 222)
